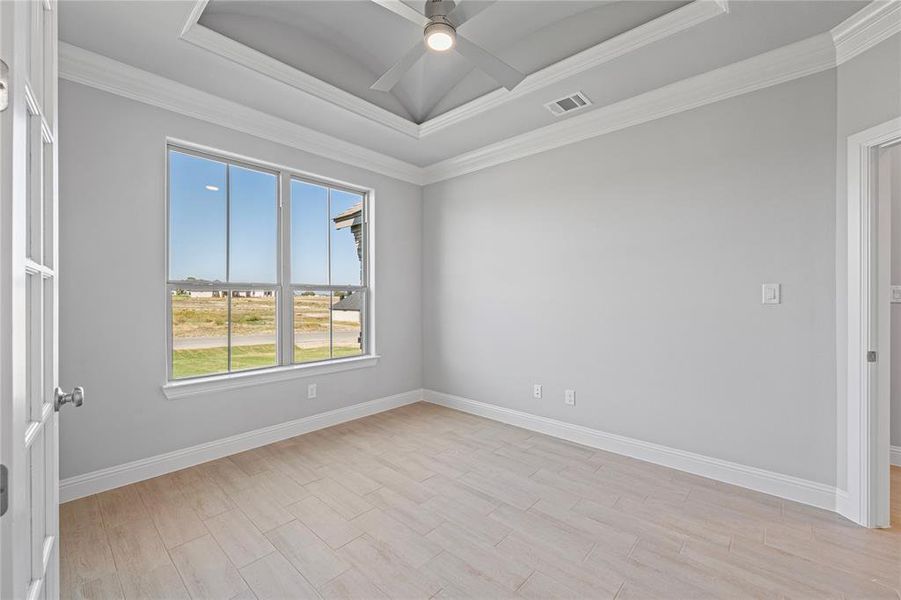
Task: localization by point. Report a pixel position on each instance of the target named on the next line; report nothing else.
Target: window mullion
(286, 297)
(331, 294)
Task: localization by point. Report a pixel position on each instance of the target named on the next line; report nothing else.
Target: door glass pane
(309, 233)
(312, 326)
(197, 212)
(253, 336)
(346, 238)
(253, 225)
(48, 201)
(34, 346)
(347, 331)
(34, 197)
(199, 333)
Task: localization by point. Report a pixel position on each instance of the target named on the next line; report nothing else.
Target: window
(255, 281)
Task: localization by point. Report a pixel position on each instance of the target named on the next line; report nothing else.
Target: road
(303, 339)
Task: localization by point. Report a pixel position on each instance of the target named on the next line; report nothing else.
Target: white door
(29, 528)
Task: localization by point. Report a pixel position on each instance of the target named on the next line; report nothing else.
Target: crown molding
(863, 30)
(666, 25)
(874, 23)
(796, 60)
(87, 68)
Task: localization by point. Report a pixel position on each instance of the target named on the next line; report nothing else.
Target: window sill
(231, 381)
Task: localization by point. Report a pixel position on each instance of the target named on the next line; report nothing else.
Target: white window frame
(283, 289)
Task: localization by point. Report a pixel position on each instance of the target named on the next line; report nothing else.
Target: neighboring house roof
(351, 216)
(354, 301)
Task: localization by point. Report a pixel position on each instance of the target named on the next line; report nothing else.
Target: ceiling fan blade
(400, 68)
(503, 73)
(467, 9)
(404, 10)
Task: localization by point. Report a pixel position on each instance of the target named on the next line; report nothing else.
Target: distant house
(348, 308)
(353, 218)
(220, 294)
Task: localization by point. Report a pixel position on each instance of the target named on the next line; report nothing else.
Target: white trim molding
(664, 26)
(866, 28)
(784, 64)
(867, 403)
(874, 23)
(232, 381)
(896, 456)
(79, 486)
(94, 70)
(761, 480)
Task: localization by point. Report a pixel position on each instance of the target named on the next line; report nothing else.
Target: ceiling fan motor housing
(437, 10)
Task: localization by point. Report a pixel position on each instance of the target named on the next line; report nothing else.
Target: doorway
(867, 420)
(889, 183)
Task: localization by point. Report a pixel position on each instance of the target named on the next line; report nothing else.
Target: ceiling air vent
(568, 104)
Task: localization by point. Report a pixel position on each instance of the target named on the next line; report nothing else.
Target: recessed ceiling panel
(350, 44)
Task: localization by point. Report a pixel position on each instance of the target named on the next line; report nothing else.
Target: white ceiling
(326, 40)
(350, 44)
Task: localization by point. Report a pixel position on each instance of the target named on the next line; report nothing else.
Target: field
(200, 333)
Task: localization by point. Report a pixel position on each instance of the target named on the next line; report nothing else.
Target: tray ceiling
(350, 44)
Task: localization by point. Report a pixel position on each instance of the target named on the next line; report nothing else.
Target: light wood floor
(425, 502)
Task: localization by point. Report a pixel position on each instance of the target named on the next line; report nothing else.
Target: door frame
(865, 499)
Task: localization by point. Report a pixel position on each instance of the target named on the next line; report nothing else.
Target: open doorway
(889, 183)
(865, 498)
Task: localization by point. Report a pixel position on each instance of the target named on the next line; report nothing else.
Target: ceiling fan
(440, 22)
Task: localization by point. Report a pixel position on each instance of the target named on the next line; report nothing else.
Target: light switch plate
(896, 293)
(771, 293)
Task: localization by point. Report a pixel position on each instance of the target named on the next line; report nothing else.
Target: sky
(204, 194)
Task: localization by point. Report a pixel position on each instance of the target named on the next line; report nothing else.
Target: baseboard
(769, 482)
(79, 486)
(895, 457)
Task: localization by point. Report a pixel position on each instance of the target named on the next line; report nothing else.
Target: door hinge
(4, 490)
(871, 356)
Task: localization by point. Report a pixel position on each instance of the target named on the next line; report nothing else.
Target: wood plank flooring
(427, 502)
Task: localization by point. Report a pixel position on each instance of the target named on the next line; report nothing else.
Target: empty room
(483, 299)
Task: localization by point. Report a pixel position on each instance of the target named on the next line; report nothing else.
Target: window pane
(309, 233)
(197, 202)
(312, 340)
(347, 238)
(199, 333)
(253, 225)
(347, 331)
(253, 329)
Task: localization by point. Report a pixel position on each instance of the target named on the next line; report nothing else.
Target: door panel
(29, 531)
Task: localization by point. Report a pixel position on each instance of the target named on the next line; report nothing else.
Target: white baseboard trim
(895, 457)
(769, 482)
(79, 486)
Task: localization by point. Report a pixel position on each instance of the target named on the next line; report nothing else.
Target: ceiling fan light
(440, 36)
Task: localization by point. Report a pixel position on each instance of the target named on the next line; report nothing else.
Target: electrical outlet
(536, 391)
(311, 391)
(570, 397)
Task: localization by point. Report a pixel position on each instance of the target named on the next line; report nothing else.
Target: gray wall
(868, 93)
(628, 267)
(112, 273)
(895, 175)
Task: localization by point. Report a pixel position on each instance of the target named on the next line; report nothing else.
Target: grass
(207, 361)
(194, 316)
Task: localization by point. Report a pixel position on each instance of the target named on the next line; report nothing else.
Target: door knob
(76, 397)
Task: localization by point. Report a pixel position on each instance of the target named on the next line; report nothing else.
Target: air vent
(568, 104)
